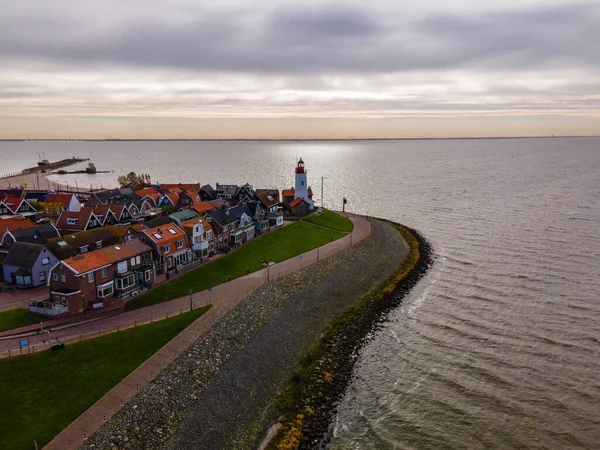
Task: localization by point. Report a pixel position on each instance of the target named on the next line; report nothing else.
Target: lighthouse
(301, 187)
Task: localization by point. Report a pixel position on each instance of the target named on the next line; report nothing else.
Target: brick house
(90, 279)
(170, 247)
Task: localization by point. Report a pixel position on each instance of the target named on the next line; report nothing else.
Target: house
(86, 241)
(191, 187)
(15, 223)
(220, 203)
(168, 199)
(289, 195)
(66, 202)
(38, 234)
(151, 194)
(270, 202)
(207, 193)
(170, 245)
(158, 221)
(232, 226)
(105, 214)
(87, 281)
(184, 215)
(138, 206)
(201, 206)
(200, 236)
(244, 193)
(28, 265)
(299, 207)
(273, 192)
(37, 196)
(72, 221)
(11, 205)
(226, 191)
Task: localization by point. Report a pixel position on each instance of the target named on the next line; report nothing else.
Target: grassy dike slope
(275, 246)
(17, 318)
(42, 393)
(331, 220)
(310, 400)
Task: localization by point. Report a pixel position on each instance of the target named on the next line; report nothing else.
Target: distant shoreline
(301, 139)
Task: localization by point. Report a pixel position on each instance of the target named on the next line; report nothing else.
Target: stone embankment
(221, 392)
(310, 401)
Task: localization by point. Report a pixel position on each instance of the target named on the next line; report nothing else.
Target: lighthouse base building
(294, 198)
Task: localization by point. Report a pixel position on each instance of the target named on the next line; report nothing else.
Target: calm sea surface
(499, 345)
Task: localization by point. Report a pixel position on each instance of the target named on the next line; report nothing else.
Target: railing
(54, 311)
(9, 175)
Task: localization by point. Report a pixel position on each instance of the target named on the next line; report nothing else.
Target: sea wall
(221, 392)
(310, 401)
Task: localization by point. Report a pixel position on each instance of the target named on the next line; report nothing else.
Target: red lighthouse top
(300, 166)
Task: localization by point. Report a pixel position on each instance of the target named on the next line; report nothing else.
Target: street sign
(23, 343)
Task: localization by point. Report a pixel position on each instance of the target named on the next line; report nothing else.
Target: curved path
(223, 297)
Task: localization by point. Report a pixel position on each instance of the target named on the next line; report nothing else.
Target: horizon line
(294, 139)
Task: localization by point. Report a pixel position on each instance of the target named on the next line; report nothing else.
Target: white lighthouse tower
(301, 187)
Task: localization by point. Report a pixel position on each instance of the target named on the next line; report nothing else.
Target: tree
(91, 168)
(134, 181)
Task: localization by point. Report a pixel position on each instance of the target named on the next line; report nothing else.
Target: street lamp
(191, 304)
(83, 303)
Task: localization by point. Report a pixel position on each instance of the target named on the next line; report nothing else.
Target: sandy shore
(35, 181)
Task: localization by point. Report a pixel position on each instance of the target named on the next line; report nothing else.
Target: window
(125, 282)
(166, 248)
(103, 272)
(90, 277)
(42, 277)
(45, 261)
(25, 208)
(84, 248)
(71, 220)
(170, 263)
(55, 277)
(99, 244)
(302, 183)
(105, 290)
(179, 244)
(132, 262)
(122, 267)
(209, 235)
(63, 278)
(138, 260)
(171, 230)
(148, 275)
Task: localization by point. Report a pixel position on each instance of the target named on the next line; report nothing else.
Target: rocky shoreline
(327, 372)
(221, 392)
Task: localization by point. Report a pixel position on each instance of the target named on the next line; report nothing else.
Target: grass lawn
(16, 318)
(275, 246)
(44, 392)
(332, 220)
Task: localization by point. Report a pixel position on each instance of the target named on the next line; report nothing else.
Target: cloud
(332, 39)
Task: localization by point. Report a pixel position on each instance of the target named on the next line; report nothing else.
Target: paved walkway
(21, 298)
(223, 298)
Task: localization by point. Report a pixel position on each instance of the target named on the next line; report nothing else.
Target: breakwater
(310, 401)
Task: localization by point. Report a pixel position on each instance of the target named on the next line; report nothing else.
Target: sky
(137, 69)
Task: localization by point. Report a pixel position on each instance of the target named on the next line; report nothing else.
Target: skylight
(117, 247)
(157, 236)
(171, 230)
(62, 244)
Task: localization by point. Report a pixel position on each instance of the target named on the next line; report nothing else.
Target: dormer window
(99, 244)
(84, 248)
(71, 220)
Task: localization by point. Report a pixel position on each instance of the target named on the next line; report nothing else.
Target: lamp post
(83, 303)
(191, 304)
